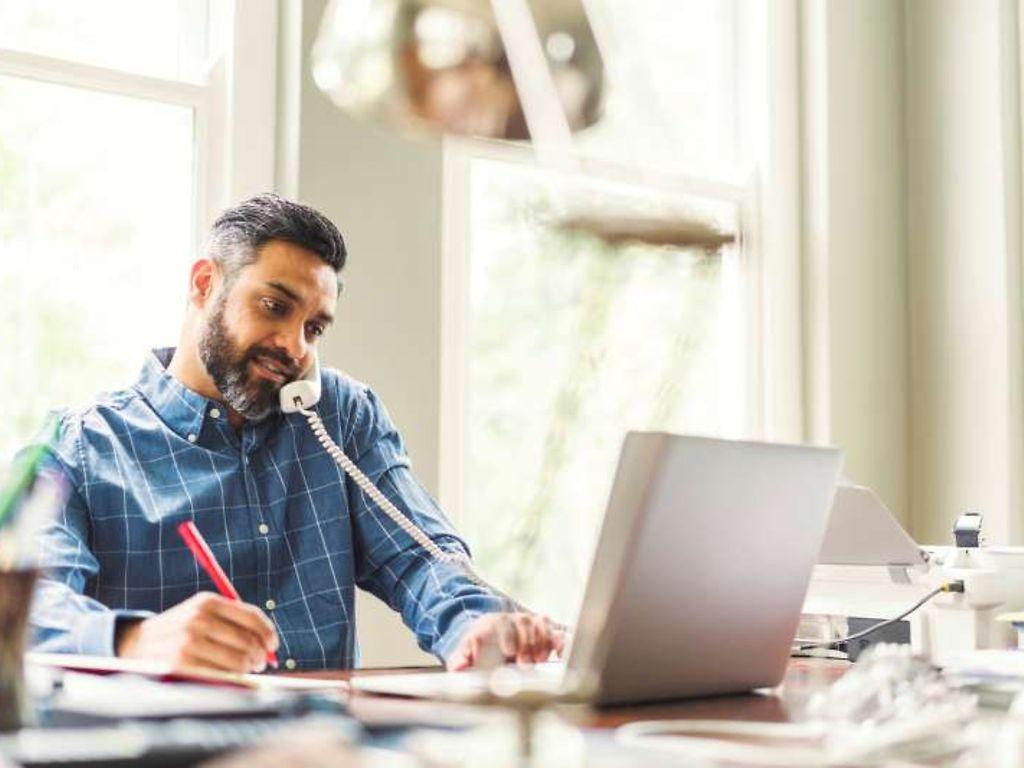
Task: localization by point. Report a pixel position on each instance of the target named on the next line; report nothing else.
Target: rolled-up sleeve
(437, 601)
(63, 618)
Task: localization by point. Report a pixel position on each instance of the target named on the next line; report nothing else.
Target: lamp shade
(448, 65)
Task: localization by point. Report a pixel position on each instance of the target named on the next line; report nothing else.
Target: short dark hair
(241, 230)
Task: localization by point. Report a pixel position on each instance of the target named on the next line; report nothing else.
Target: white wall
(963, 155)
(383, 192)
(912, 253)
(855, 236)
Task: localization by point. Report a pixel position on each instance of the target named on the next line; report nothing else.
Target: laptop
(698, 579)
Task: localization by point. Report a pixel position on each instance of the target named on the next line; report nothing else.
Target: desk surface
(803, 678)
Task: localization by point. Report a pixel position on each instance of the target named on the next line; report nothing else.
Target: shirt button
(290, 664)
(264, 529)
(191, 437)
(215, 413)
(270, 605)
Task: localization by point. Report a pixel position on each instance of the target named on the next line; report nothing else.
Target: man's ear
(202, 281)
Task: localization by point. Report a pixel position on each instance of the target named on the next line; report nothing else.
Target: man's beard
(252, 397)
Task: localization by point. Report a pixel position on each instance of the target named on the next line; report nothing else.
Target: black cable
(806, 645)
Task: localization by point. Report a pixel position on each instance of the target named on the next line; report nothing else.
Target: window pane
(672, 91)
(572, 343)
(162, 39)
(96, 209)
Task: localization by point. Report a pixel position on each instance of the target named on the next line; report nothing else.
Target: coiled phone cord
(403, 522)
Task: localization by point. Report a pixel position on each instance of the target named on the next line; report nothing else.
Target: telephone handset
(304, 392)
(300, 396)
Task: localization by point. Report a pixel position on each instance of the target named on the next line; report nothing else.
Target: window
(115, 150)
(555, 342)
(167, 40)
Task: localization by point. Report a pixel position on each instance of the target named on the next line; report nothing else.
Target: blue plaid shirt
(293, 533)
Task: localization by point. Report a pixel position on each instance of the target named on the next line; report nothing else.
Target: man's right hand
(206, 630)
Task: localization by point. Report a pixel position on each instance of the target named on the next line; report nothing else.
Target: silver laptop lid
(702, 566)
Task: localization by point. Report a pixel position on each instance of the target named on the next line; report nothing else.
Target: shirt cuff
(449, 641)
(96, 631)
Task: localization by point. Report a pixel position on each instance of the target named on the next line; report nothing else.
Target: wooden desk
(803, 678)
(382, 714)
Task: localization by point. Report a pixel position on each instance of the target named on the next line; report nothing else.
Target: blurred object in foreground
(28, 500)
(15, 597)
(457, 66)
(311, 745)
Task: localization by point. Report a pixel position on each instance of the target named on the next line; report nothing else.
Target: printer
(870, 570)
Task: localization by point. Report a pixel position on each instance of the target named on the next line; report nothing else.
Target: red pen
(204, 556)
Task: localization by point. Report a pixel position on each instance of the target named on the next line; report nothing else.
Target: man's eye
(273, 306)
(315, 330)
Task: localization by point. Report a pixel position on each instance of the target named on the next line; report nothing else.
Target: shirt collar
(185, 411)
(178, 406)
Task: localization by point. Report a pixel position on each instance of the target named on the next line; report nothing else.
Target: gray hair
(241, 230)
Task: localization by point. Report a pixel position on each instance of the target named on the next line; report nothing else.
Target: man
(200, 436)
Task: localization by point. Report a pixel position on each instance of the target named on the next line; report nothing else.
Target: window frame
(234, 104)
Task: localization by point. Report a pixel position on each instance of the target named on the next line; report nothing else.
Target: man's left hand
(525, 638)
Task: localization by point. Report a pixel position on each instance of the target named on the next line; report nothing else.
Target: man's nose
(294, 344)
